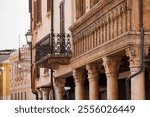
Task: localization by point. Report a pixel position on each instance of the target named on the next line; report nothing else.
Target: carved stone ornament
(78, 75)
(134, 55)
(59, 82)
(111, 64)
(92, 71)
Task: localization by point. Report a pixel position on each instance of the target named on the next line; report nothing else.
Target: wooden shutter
(48, 5)
(62, 27)
(80, 8)
(35, 14)
(62, 19)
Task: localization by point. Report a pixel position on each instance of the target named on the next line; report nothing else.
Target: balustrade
(60, 44)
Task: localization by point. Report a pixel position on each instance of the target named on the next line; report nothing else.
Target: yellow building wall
(6, 79)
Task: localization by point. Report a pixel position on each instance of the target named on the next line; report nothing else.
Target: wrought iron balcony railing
(59, 45)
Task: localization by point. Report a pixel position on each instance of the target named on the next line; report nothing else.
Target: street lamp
(29, 42)
(29, 37)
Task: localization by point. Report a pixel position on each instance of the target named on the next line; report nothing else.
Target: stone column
(79, 83)
(138, 81)
(111, 65)
(59, 84)
(93, 81)
(45, 92)
(39, 94)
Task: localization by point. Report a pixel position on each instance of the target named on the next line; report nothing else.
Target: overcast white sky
(14, 21)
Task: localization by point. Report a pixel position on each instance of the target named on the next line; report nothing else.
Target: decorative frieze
(102, 17)
(118, 44)
(107, 25)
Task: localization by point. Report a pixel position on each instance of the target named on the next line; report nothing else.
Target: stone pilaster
(111, 65)
(45, 92)
(93, 81)
(79, 83)
(138, 81)
(59, 84)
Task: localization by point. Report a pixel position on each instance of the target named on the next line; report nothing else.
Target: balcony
(57, 50)
(105, 30)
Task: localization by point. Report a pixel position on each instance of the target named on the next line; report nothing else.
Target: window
(39, 11)
(48, 5)
(62, 19)
(80, 8)
(35, 14)
(62, 27)
(46, 71)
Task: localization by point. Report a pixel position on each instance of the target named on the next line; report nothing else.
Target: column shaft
(138, 86)
(45, 93)
(111, 65)
(79, 83)
(59, 84)
(138, 81)
(93, 81)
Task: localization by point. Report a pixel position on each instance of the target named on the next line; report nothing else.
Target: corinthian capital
(111, 64)
(92, 71)
(59, 82)
(78, 75)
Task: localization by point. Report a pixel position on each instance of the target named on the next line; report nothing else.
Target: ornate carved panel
(113, 46)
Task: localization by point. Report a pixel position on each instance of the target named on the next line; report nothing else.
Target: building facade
(5, 74)
(20, 75)
(107, 44)
(51, 36)
(109, 47)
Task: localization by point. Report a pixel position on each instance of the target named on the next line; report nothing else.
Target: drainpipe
(32, 89)
(128, 90)
(52, 52)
